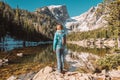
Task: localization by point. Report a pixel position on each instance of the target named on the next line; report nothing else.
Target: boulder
(12, 78)
(47, 73)
(20, 54)
(43, 72)
(5, 60)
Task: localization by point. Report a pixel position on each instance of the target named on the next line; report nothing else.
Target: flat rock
(47, 73)
(12, 78)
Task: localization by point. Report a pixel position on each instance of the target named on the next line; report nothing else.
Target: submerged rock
(27, 76)
(3, 61)
(20, 54)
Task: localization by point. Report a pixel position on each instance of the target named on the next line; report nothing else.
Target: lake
(36, 55)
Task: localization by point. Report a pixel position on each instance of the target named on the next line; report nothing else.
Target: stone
(47, 70)
(21, 76)
(1, 62)
(43, 72)
(54, 75)
(114, 73)
(104, 72)
(5, 60)
(12, 78)
(20, 54)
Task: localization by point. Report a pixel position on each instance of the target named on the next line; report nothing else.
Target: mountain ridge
(88, 20)
(24, 25)
(58, 12)
(107, 20)
(41, 23)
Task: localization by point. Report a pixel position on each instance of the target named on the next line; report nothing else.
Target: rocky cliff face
(103, 15)
(58, 12)
(90, 20)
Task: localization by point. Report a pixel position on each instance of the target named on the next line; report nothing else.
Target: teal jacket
(58, 37)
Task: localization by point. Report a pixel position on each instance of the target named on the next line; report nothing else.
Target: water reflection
(33, 59)
(84, 57)
(95, 50)
(43, 54)
(8, 43)
(81, 60)
(39, 54)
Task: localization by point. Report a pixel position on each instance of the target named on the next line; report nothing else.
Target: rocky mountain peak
(90, 20)
(44, 10)
(59, 12)
(92, 9)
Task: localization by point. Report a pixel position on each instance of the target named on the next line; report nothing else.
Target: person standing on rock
(59, 46)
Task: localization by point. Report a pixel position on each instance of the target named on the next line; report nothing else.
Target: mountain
(31, 26)
(90, 20)
(102, 21)
(95, 18)
(58, 12)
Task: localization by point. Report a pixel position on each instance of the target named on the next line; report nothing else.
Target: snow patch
(54, 6)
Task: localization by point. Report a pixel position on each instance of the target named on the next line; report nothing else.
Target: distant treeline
(24, 25)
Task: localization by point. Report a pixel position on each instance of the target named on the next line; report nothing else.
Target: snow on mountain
(94, 18)
(54, 6)
(59, 12)
(90, 20)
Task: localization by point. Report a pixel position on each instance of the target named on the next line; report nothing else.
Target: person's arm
(55, 42)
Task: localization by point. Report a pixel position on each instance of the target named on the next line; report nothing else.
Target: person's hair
(59, 25)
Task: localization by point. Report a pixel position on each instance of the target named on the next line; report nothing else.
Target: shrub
(109, 61)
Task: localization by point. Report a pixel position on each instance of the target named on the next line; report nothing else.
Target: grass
(109, 61)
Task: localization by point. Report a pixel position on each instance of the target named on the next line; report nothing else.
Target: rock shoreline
(49, 73)
(83, 60)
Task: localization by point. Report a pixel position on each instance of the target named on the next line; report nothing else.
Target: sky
(74, 7)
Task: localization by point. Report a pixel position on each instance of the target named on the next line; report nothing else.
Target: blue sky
(75, 7)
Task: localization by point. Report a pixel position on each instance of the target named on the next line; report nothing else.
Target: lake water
(35, 55)
(9, 43)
